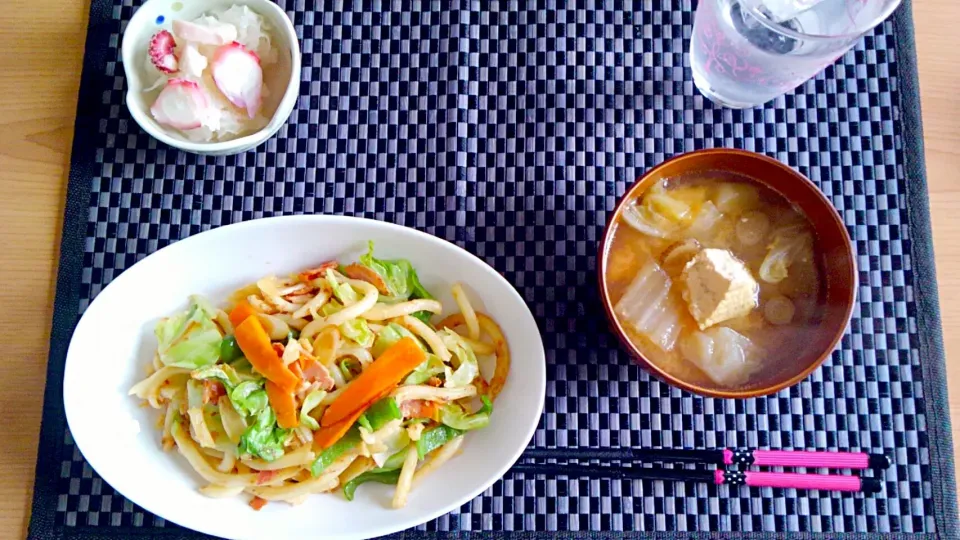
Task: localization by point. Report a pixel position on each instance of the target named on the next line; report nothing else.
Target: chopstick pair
(814, 459)
(722, 458)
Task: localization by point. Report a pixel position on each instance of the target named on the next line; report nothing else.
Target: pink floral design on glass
(722, 58)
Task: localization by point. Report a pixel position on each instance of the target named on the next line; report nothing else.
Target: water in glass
(743, 56)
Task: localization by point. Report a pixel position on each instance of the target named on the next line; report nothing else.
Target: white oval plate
(114, 342)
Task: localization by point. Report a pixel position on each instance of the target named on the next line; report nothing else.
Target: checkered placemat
(511, 128)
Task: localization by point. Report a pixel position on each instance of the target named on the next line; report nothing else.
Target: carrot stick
(256, 346)
(283, 404)
(381, 376)
(241, 311)
(296, 369)
(431, 410)
(326, 436)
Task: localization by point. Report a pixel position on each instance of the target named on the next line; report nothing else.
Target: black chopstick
(825, 482)
(721, 456)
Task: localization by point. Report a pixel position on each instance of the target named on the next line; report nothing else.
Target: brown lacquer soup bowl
(803, 286)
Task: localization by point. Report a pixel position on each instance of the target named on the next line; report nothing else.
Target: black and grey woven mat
(511, 128)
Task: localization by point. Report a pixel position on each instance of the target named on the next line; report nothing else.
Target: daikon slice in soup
(716, 279)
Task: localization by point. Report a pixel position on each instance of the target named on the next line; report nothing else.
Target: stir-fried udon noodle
(331, 378)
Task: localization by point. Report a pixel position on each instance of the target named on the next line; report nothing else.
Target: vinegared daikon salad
(209, 74)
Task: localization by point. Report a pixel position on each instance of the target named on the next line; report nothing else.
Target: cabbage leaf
(467, 369)
(249, 398)
(431, 367)
(221, 372)
(389, 335)
(264, 439)
(358, 331)
(191, 339)
(401, 280)
(342, 291)
(310, 403)
(454, 416)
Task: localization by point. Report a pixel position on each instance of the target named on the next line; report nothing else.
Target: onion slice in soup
(752, 228)
(790, 244)
(650, 308)
(677, 255)
(643, 220)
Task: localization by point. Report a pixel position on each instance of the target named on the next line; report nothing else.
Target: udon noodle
(329, 378)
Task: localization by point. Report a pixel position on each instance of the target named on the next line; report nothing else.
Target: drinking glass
(747, 52)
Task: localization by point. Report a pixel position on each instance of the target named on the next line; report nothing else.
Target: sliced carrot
(241, 311)
(256, 346)
(296, 369)
(284, 405)
(257, 503)
(306, 360)
(326, 436)
(431, 410)
(379, 378)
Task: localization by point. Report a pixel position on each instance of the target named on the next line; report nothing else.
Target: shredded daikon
(222, 121)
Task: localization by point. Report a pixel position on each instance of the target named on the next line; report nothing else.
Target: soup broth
(716, 280)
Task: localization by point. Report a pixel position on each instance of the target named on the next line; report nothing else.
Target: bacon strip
(212, 391)
(320, 271)
(265, 477)
(361, 272)
(314, 371)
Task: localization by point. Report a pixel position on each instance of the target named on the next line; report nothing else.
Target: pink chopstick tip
(811, 459)
(825, 482)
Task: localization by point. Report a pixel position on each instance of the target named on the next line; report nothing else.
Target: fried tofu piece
(718, 287)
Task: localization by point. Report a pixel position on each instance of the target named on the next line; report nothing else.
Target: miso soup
(716, 280)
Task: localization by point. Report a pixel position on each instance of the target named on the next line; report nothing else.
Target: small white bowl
(144, 25)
